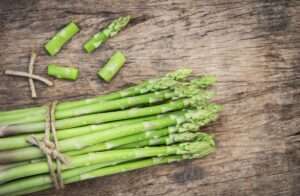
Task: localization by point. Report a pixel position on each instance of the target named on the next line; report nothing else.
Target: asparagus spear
(98, 118)
(68, 73)
(14, 142)
(152, 85)
(123, 140)
(111, 68)
(196, 148)
(110, 31)
(148, 138)
(36, 186)
(165, 140)
(61, 38)
(189, 121)
(178, 91)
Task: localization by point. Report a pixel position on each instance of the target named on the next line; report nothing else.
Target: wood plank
(252, 47)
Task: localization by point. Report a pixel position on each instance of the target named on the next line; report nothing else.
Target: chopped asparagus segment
(61, 72)
(112, 67)
(99, 38)
(61, 38)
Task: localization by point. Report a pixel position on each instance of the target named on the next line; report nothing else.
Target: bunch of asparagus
(152, 123)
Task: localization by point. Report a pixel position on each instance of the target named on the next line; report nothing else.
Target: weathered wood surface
(252, 46)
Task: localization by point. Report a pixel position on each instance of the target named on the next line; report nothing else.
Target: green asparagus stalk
(139, 164)
(111, 68)
(8, 166)
(123, 103)
(97, 118)
(196, 148)
(165, 140)
(14, 142)
(106, 117)
(169, 81)
(189, 121)
(18, 111)
(71, 173)
(152, 85)
(21, 117)
(123, 140)
(110, 31)
(178, 91)
(61, 38)
(118, 168)
(80, 142)
(166, 136)
(68, 73)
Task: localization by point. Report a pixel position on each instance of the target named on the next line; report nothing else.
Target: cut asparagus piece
(99, 38)
(112, 67)
(67, 73)
(61, 38)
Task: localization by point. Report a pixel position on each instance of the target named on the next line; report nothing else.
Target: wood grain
(252, 46)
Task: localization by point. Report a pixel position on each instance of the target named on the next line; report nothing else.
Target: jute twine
(50, 147)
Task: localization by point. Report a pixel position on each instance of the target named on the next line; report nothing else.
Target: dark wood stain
(188, 174)
(273, 15)
(252, 46)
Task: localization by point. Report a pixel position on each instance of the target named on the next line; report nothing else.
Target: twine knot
(51, 148)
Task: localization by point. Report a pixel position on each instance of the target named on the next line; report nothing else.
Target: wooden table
(252, 46)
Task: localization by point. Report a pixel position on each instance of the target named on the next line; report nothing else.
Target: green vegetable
(111, 68)
(192, 149)
(99, 117)
(191, 120)
(110, 31)
(61, 38)
(166, 140)
(9, 143)
(151, 123)
(122, 141)
(68, 73)
(37, 182)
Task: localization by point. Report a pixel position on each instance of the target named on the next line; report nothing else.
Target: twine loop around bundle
(50, 148)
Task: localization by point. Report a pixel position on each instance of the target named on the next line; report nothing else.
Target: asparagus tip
(179, 74)
(197, 147)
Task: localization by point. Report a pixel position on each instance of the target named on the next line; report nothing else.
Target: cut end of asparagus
(6, 131)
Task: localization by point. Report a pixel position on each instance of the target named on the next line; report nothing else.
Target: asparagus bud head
(116, 26)
(199, 99)
(198, 148)
(197, 118)
(168, 81)
(204, 81)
